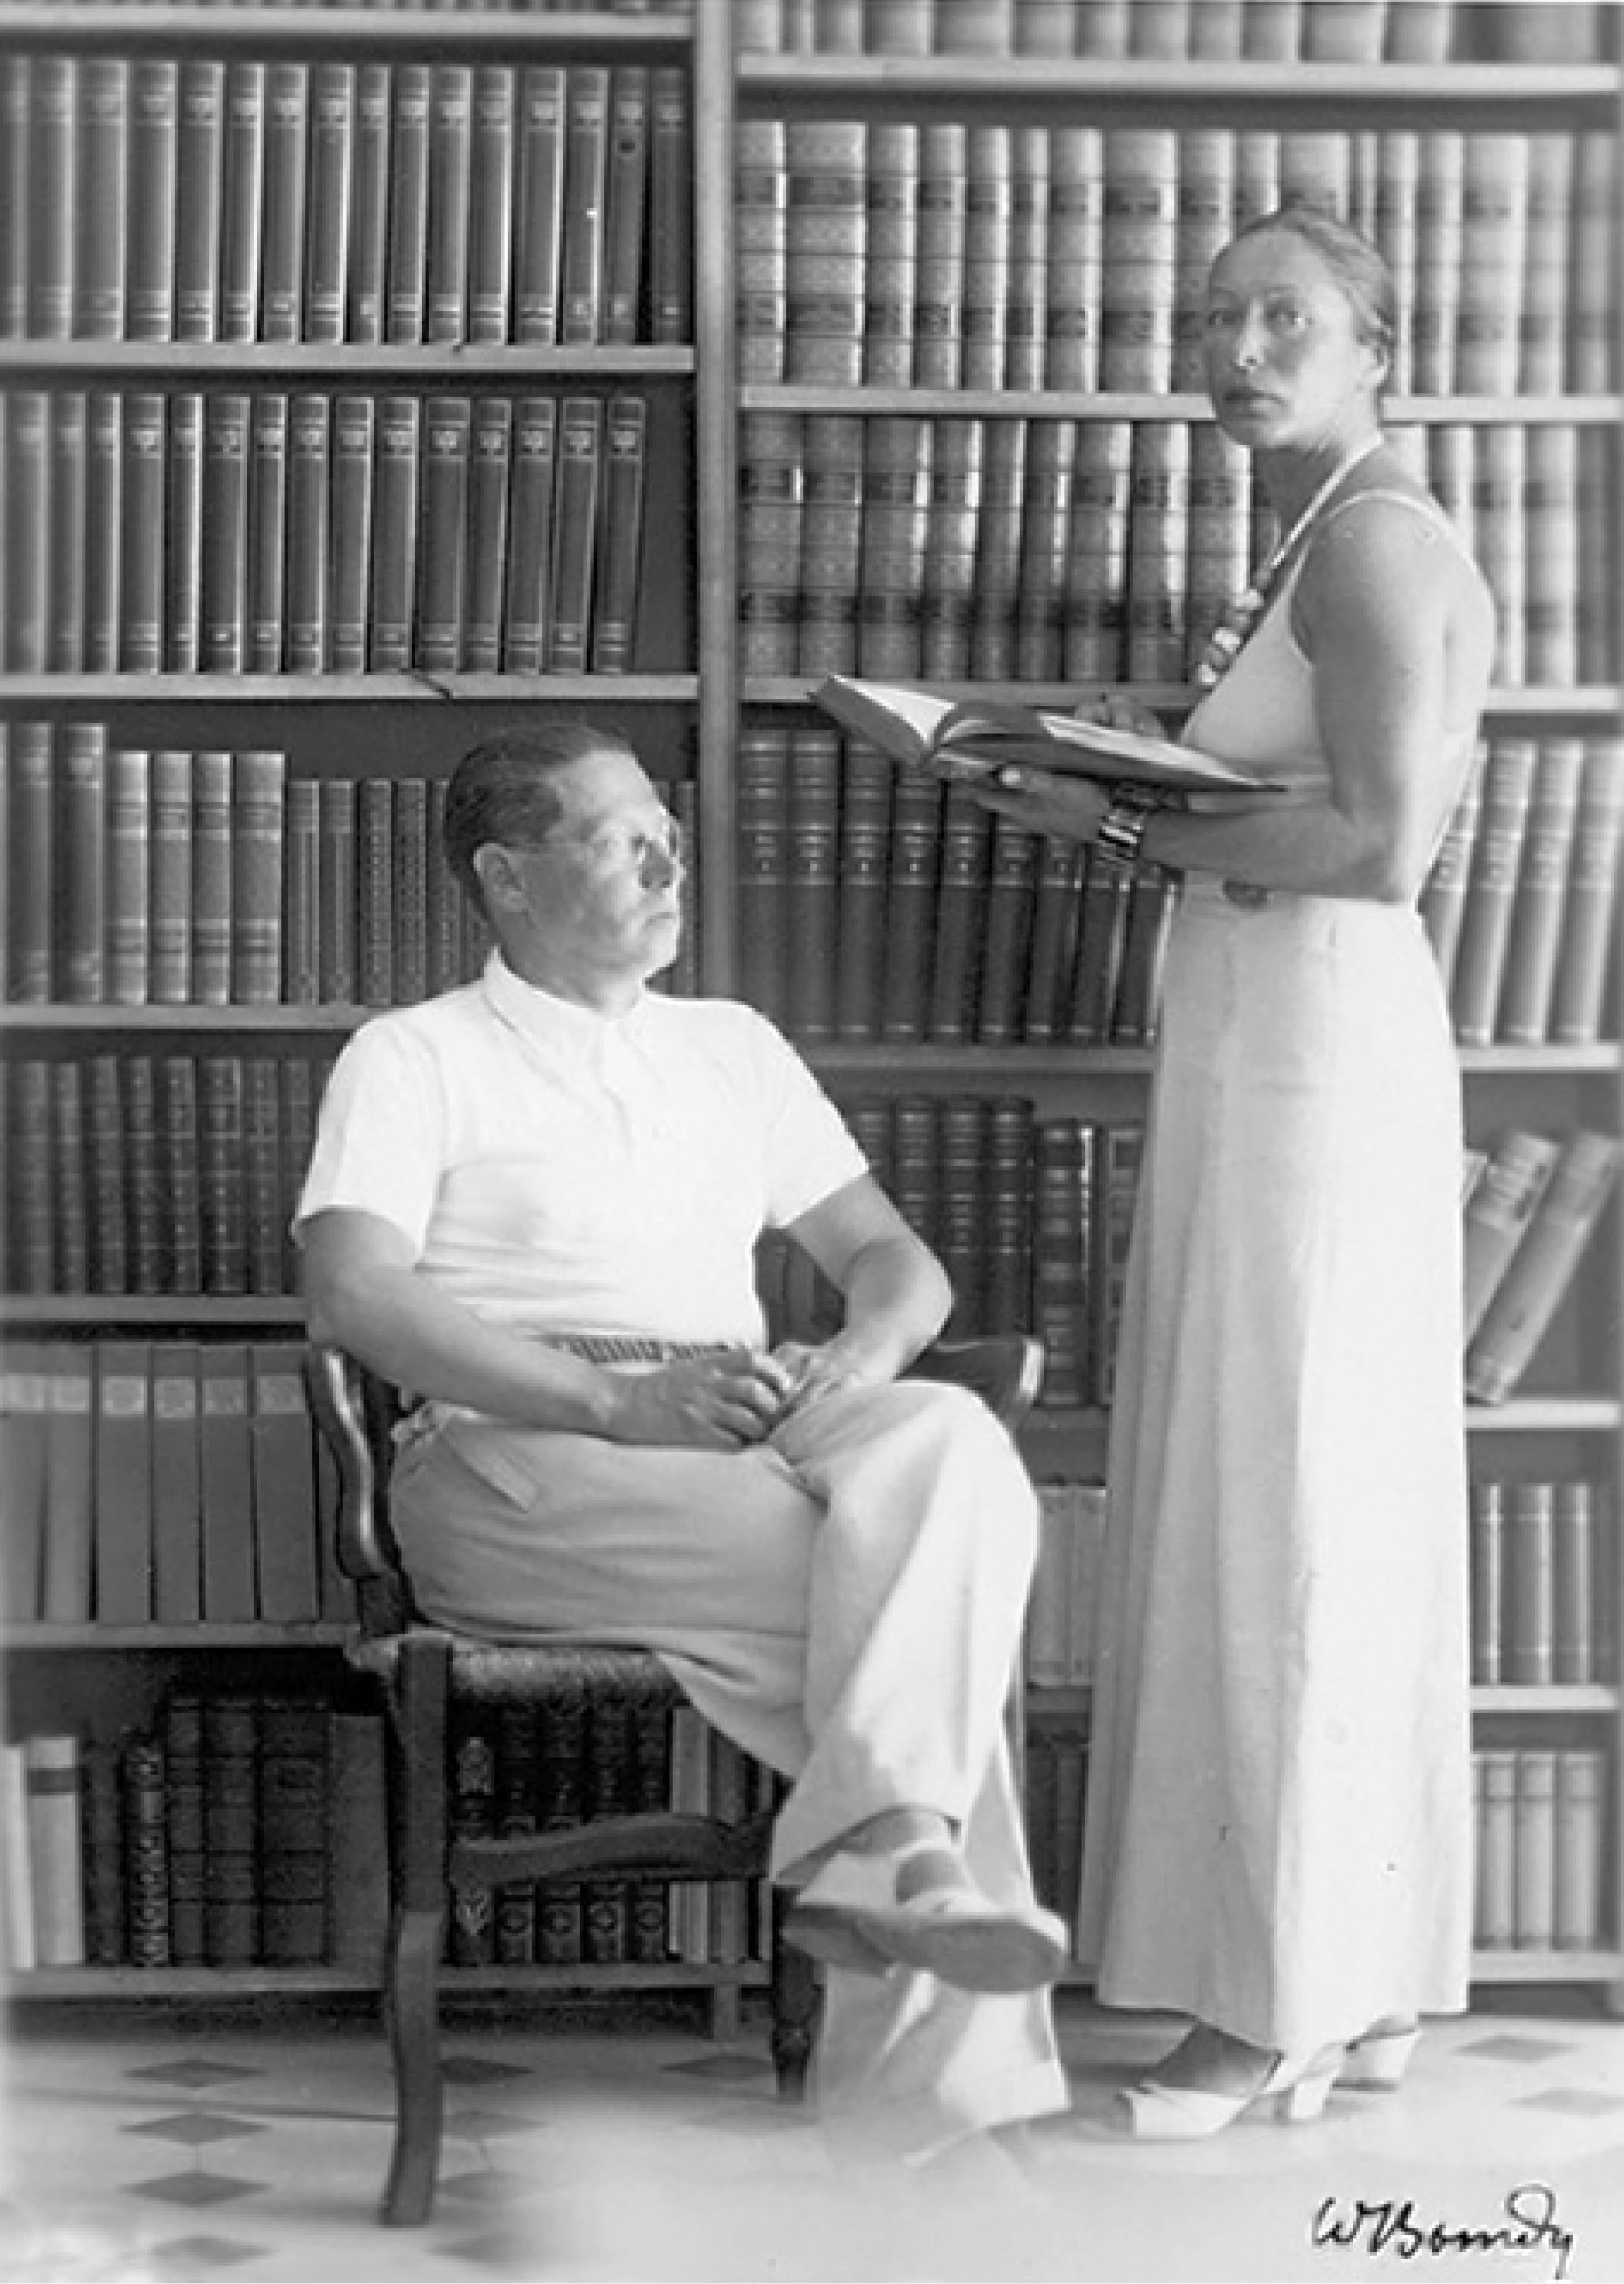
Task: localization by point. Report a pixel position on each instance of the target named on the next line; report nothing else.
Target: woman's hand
(1113, 711)
(816, 1371)
(1046, 800)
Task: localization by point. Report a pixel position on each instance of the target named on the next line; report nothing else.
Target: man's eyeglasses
(621, 847)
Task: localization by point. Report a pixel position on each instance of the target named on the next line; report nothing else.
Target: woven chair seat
(533, 1673)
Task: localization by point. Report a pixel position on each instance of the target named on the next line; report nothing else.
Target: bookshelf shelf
(71, 1312)
(1048, 1435)
(257, 1635)
(438, 362)
(1547, 1967)
(1282, 93)
(1558, 1698)
(418, 687)
(279, 1020)
(1101, 404)
(293, 1982)
(1598, 701)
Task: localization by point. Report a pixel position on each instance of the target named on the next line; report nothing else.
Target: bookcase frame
(711, 692)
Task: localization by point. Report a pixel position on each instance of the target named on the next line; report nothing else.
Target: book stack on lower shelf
(1543, 1824)
(159, 1483)
(235, 1831)
(1544, 1572)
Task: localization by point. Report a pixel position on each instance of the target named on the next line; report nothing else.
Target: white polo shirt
(557, 1170)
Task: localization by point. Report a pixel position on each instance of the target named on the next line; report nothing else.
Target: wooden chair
(424, 1672)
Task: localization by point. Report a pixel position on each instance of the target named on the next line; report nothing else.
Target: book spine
(1045, 539)
(409, 891)
(258, 834)
(51, 1763)
(336, 939)
(370, 178)
(286, 152)
(988, 208)
(375, 892)
(15, 104)
(330, 173)
(211, 879)
(177, 1516)
(408, 256)
(267, 533)
(864, 840)
(103, 530)
(194, 182)
(812, 894)
(1138, 257)
(671, 254)
(104, 1151)
(81, 833)
(1486, 1541)
(1579, 1835)
(1439, 233)
(121, 1488)
(1097, 575)
(53, 185)
(350, 540)
(760, 237)
(761, 828)
(490, 207)
(961, 921)
(910, 909)
(65, 470)
(823, 250)
(101, 212)
(1480, 966)
(1554, 601)
(586, 151)
(626, 196)
(129, 877)
(292, 1854)
(575, 533)
(309, 500)
(891, 253)
(1524, 1013)
(539, 232)
(939, 285)
(1579, 990)
(896, 486)
(223, 538)
(1026, 312)
(243, 216)
(998, 556)
(231, 1831)
(179, 1174)
(1577, 1583)
(771, 509)
(442, 562)
(25, 575)
(1443, 898)
(450, 150)
(1528, 1294)
(614, 615)
(527, 602)
(1530, 1608)
(169, 887)
(1534, 1824)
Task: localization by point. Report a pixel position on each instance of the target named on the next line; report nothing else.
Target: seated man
(534, 1202)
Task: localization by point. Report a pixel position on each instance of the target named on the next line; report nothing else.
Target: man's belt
(630, 1348)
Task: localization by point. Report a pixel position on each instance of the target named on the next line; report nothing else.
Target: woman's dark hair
(1359, 268)
(503, 790)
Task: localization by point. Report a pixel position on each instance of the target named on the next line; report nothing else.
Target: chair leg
(420, 1703)
(414, 2043)
(793, 1999)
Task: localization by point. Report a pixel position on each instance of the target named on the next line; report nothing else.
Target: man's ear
(498, 877)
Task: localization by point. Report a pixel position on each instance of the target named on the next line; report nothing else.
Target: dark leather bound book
(226, 1481)
(539, 214)
(650, 1794)
(965, 1226)
(528, 593)
(626, 193)
(146, 1848)
(293, 1804)
(375, 892)
(309, 504)
(141, 561)
(443, 560)
(620, 566)
(332, 174)
(104, 1176)
(518, 1777)
(222, 601)
(864, 860)
(103, 482)
(259, 795)
(408, 250)
(182, 538)
(812, 892)
(350, 538)
(102, 1847)
(956, 975)
(81, 835)
(450, 153)
(392, 606)
(1009, 1207)
(1102, 925)
(154, 135)
(575, 533)
(185, 1820)
(1063, 1162)
(180, 1177)
(231, 1831)
(761, 812)
(671, 198)
(263, 1185)
(490, 203)
(67, 447)
(1056, 905)
(1011, 880)
(1045, 543)
(220, 1170)
(911, 908)
(242, 202)
(287, 132)
(130, 838)
(267, 533)
(611, 1790)
(489, 486)
(586, 149)
(559, 1923)
(370, 175)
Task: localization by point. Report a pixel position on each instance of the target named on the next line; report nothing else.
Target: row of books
(1541, 1826)
(1532, 1204)
(156, 198)
(987, 255)
(229, 533)
(1063, 1614)
(875, 904)
(1012, 548)
(164, 1482)
(168, 1174)
(516, 1769)
(213, 879)
(1544, 1562)
(234, 1831)
(1207, 31)
(1520, 902)
(872, 905)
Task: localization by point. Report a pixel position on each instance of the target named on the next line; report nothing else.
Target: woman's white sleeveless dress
(1278, 1822)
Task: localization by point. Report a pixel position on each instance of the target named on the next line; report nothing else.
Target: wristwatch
(1120, 831)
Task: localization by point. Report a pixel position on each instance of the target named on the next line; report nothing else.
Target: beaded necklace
(1241, 616)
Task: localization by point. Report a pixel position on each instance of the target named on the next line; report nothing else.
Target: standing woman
(1278, 1819)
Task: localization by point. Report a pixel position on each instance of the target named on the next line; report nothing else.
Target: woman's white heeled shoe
(1294, 2092)
(1378, 2062)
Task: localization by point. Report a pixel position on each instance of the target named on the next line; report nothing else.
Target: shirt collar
(563, 1024)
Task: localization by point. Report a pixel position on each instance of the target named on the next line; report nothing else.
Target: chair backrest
(357, 1413)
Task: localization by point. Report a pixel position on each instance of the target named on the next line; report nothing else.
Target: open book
(978, 736)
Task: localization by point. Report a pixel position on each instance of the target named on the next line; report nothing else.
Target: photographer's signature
(1527, 2222)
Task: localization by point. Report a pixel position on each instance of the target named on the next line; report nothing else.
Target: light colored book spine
(1498, 1213)
(1138, 257)
(825, 240)
(1543, 1267)
(1579, 994)
(1494, 244)
(1524, 1014)
(1508, 787)
(55, 1854)
(22, 1953)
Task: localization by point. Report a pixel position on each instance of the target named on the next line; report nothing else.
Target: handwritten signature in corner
(1390, 2224)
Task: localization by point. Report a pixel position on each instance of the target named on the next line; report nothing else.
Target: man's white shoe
(922, 1910)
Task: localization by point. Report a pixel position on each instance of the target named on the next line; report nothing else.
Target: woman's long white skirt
(1278, 1833)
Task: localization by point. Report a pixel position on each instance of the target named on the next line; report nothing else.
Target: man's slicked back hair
(504, 789)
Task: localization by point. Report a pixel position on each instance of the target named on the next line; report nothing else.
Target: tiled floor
(145, 2148)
